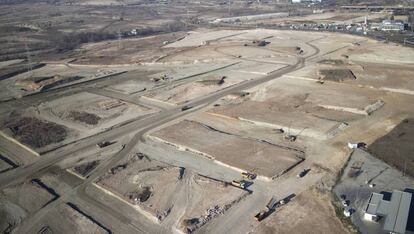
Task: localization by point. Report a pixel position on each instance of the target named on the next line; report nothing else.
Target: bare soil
(35, 132)
(309, 212)
(252, 155)
(337, 75)
(85, 168)
(397, 146)
(84, 117)
(144, 182)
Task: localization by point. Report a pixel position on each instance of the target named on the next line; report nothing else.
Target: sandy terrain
(207, 200)
(253, 155)
(64, 218)
(23, 196)
(310, 212)
(134, 50)
(109, 111)
(149, 184)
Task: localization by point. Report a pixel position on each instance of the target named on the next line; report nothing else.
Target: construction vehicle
(303, 173)
(261, 215)
(248, 175)
(240, 183)
(184, 108)
(270, 208)
(103, 144)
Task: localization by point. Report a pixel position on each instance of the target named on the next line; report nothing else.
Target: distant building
(391, 25)
(306, 1)
(251, 17)
(395, 211)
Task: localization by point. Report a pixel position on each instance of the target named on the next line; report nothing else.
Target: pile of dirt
(141, 195)
(332, 62)
(84, 117)
(396, 147)
(212, 82)
(337, 75)
(85, 168)
(36, 133)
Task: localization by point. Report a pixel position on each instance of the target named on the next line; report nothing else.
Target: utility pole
(119, 40)
(405, 167)
(229, 7)
(28, 58)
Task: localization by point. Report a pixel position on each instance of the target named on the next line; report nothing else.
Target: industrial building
(393, 213)
(251, 17)
(391, 25)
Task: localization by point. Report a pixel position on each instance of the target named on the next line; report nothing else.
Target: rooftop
(395, 211)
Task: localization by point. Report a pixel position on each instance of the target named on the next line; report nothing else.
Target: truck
(248, 175)
(103, 144)
(184, 108)
(270, 208)
(303, 173)
(261, 215)
(239, 183)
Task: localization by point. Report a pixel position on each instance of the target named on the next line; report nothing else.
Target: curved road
(139, 127)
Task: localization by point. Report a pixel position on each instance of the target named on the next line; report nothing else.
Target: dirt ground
(36, 133)
(19, 201)
(395, 147)
(309, 212)
(64, 218)
(103, 111)
(252, 155)
(208, 199)
(182, 93)
(163, 191)
(137, 50)
(146, 183)
(12, 215)
(6, 164)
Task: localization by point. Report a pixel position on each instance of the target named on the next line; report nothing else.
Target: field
(159, 190)
(304, 214)
(253, 155)
(394, 147)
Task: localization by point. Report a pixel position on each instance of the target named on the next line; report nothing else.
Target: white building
(395, 211)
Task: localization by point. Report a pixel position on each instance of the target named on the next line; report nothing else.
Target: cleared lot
(161, 191)
(263, 158)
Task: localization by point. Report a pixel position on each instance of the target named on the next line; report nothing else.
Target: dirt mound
(36, 133)
(84, 117)
(337, 75)
(332, 62)
(84, 169)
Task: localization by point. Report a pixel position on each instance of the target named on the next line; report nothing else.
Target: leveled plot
(251, 155)
(91, 111)
(25, 200)
(131, 86)
(35, 132)
(304, 215)
(200, 38)
(209, 198)
(6, 164)
(146, 184)
(192, 90)
(69, 218)
(276, 115)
